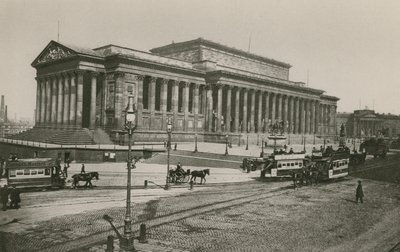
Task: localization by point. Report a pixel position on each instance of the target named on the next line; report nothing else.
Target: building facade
(207, 89)
(366, 123)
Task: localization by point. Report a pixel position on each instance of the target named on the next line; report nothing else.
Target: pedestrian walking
(83, 169)
(294, 179)
(4, 196)
(15, 197)
(359, 193)
(67, 161)
(65, 170)
(176, 146)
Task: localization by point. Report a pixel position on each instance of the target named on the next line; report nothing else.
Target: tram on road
(282, 165)
(332, 166)
(34, 172)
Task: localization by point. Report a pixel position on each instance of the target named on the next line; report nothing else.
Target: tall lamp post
(262, 147)
(126, 240)
(247, 142)
(169, 131)
(226, 145)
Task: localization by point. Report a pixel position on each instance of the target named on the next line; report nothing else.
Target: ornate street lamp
(226, 145)
(262, 147)
(126, 240)
(169, 131)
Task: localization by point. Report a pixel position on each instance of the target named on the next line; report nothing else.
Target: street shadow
(349, 200)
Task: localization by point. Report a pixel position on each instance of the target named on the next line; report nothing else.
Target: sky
(349, 48)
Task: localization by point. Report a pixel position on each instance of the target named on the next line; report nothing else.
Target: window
(12, 173)
(292, 164)
(300, 164)
(33, 172)
(40, 171)
(47, 171)
(26, 172)
(284, 164)
(20, 172)
(279, 165)
(296, 163)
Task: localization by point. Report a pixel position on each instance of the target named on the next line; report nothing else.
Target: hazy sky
(350, 48)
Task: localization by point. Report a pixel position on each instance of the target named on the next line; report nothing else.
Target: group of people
(10, 194)
(308, 176)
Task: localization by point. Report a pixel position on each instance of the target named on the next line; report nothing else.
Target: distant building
(367, 123)
(9, 127)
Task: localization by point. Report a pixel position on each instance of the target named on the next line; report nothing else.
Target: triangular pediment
(53, 51)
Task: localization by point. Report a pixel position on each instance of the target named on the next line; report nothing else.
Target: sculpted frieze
(54, 53)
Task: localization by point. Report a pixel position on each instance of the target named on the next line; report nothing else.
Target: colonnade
(59, 99)
(227, 108)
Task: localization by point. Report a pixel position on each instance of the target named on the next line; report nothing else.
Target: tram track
(100, 237)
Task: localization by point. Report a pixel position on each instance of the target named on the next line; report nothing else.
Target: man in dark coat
(83, 169)
(14, 197)
(4, 196)
(359, 192)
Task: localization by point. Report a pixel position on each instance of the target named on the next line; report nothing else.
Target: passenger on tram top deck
(291, 151)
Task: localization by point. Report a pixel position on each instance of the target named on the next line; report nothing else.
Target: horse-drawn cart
(176, 176)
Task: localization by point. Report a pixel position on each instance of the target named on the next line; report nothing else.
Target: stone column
(38, 102)
(297, 116)
(139, 79)
(312, 117)
(152, 101)
(72, 102)
(244, 123)
(291, 116)
(329, 119)
(163, 105)
(204, 102)
(209, 107)
(285, 113)
(174, 105)
(252, 110)
(185, 103)
(279, 107)
(43, 101)
(93, 91)
(228, 109)
(334, 119)
(54, 100)
(219, 108)
(306, 116)
(273, 109)
(266, 115)
(60, 100)
(259, 117)
(195, 109)
(317, 118)
(237, 114)
(79, 98)
(48, 101)
(66, 100)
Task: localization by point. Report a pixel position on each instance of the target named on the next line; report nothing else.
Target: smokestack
(5, 115)
(2, 107)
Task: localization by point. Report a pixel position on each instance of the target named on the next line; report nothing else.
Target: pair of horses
(87, 177)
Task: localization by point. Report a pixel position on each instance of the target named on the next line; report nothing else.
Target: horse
(84, 177)
(202, 174)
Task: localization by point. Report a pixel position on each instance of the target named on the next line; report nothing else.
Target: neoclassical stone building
(207, 88)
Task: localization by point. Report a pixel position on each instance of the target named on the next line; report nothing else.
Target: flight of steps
(57, 136)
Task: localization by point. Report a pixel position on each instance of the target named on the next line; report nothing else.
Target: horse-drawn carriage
(179, 175)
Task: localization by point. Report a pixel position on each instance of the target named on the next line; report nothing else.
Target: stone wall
(235, 63)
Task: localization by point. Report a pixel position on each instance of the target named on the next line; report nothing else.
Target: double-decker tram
(333, 165)
(282, 165)
(34, 172)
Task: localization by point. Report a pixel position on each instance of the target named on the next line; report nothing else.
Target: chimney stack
(2, 107)
(5, 115)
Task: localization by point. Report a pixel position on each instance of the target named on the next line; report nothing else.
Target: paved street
(232, 212)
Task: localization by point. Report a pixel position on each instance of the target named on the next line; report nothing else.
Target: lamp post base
(126, 243)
